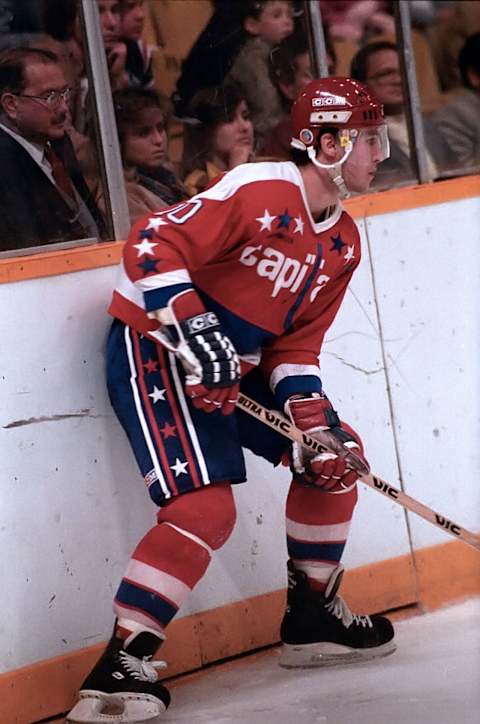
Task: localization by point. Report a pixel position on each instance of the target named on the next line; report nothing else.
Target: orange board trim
(52, 263)
(436, 576)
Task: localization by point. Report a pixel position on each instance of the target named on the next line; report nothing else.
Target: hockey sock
(172, 557)
(317, 525)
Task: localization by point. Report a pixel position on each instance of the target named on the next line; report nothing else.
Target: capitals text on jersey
(253, 252)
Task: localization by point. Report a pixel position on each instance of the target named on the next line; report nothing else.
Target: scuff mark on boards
(50, 418)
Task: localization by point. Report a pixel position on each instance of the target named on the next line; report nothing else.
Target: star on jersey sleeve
(165, 247)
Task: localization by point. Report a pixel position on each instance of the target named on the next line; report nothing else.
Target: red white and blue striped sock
(317, 525)
(163, 570)
(172, 557)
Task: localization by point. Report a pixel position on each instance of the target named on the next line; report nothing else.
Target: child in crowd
(220, 138)
(139, 55)
(267, 23)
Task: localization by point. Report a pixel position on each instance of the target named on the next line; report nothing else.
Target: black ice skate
(123, 686)
(320, 630)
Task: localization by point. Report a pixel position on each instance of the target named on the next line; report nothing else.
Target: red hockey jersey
(251, 249)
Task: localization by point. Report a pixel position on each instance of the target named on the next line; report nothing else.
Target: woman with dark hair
(150, 182)
(219, 137)
(142, 117)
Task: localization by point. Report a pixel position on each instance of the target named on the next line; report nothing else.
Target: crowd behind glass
(200, 86)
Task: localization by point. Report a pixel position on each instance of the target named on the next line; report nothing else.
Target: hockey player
(236, 289)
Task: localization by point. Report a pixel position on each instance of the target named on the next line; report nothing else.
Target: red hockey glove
(336, 471)
(208, 356)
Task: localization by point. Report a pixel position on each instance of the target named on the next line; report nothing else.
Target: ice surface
(432, 678)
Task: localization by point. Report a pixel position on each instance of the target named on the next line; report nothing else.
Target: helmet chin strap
(334, 169)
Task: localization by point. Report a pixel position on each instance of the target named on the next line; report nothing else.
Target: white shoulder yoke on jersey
(248, 173)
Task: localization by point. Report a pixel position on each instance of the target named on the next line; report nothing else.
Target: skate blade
(124, 708)
(306, 656)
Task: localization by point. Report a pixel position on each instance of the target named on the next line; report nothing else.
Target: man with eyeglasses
(43, 195)
(378, 66)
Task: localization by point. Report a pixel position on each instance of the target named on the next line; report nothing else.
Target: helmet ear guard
(306, 138)
(335, 170)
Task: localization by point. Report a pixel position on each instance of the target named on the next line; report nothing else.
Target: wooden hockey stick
(278, 422)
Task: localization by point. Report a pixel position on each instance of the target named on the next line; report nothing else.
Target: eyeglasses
(52, 99)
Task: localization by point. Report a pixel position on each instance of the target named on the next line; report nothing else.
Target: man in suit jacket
(378, 66)
(43, 196)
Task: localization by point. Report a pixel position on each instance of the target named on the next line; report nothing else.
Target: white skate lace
(340, 610)
(143, 670)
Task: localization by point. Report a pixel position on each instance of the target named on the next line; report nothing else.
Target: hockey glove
(335, 471)
(208, 356)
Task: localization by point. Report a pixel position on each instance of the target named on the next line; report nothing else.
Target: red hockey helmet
(337, 102)
(347, 106)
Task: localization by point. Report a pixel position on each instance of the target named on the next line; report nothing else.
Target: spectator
(459, 121)
(168, 184)
(80, 130)
(47, 25)
(115, 49)
(60, 19)
(6, 16)
(20, 17)
(267, 23)
(43, 195)
(356, 20)
(221, 138)
(141, 117)
(378, 66)
(290, 70)
(139, 55)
